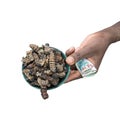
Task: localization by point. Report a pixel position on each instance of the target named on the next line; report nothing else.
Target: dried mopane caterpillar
(34, 47)
(44, 67)
(28, 59)
(52, 62)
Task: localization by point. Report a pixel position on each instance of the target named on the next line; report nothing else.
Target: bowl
(62, 80)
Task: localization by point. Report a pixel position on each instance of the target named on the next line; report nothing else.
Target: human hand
(93, 48)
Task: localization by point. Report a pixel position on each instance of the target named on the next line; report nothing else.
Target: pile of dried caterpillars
(44, 67)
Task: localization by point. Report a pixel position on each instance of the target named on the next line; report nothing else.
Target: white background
(62, 23)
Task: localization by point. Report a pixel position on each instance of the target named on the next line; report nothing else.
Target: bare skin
(93, 48)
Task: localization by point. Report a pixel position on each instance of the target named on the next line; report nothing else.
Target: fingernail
(70, 60)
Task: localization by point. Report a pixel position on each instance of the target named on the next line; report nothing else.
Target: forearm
(112, 33)
(116, 30)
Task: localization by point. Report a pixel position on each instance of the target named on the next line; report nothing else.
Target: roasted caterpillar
(34, 47)
(52, 62)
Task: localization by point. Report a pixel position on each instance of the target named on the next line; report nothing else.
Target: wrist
(105, 36)
(113, 33)
(108, 35)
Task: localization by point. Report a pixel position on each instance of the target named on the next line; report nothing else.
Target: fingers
(78, 54)
(70, 51)
(73, 57)
(73, 76)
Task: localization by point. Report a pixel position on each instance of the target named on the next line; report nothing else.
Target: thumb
(79, 53)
